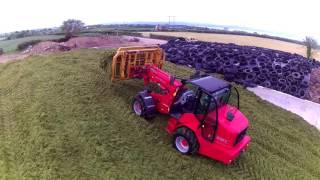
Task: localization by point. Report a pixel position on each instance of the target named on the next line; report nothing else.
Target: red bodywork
(222, 147)
(155, 75)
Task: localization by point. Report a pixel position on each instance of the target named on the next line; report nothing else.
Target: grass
(10, 46)
(60, 118)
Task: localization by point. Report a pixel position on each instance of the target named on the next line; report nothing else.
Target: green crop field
(61, 118)
(10, 46)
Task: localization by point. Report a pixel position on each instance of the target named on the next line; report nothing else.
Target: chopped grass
(10, 46)
(61, 118)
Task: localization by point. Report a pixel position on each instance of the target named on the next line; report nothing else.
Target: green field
(10, 46)
(60, 118)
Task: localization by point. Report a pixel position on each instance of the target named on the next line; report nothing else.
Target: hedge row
(25, 45)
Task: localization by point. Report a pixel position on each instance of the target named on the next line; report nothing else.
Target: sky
(296, 17)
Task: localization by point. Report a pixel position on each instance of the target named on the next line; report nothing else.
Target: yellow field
(242, 40)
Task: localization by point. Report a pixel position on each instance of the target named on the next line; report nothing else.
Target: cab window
(204, 101)
(191, 87)
(222, 96)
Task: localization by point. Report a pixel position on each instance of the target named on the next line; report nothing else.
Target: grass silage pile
(60, 118)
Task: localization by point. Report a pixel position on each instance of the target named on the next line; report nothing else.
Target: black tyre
(281, 81)
(255, 69)
(266, 84)
(143, 105)
(304, 83)
(262, 77)
(253, 62)
(137, 106)
(185, 141)
(293, 90)
(247, 70)
(301, 93)
(229, 77)
(250, 77)
(283, 88)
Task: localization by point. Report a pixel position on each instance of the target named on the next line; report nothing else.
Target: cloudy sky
(298, 17)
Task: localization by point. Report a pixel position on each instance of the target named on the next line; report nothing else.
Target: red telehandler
(204, 111)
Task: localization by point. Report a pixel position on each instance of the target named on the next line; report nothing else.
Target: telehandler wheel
(185, 141)
(144, 107)
(137, 106)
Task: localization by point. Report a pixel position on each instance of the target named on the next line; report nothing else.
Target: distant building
(160, 27)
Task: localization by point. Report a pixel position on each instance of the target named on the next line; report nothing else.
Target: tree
(310, 43)
(71, 27)
(1, 51)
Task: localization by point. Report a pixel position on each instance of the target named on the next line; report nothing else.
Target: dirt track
(10, 57)
(81, 42)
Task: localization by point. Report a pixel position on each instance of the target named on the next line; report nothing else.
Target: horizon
(296, 19)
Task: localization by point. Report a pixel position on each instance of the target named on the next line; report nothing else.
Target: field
(242, 40)
(10, 46)
(60, 118)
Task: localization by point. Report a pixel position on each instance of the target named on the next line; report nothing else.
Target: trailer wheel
(185, 141)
